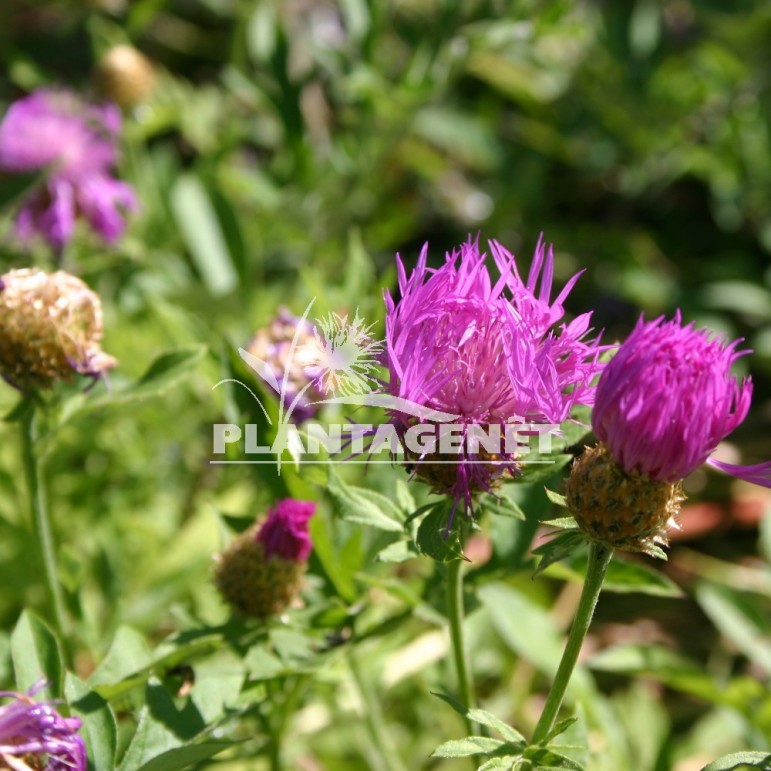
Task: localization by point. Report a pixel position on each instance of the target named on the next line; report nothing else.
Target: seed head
(50, 329)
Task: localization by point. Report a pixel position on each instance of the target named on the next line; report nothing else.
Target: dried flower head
(261, 572)
(35, 737)
(486, 352)
(124, 76)
(75, 146)
(50, 329)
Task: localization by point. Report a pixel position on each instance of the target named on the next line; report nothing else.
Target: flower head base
(667, 398)
(75, 145)
(33, 735)
(485, 352)
(261, 572)
(622, 510)
(50, 329)
(290, 371)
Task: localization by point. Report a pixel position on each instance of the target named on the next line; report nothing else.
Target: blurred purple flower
(487, 352)
(284, 533)
(33, 732)
(74, 144)
(667, 399)
(272, 345)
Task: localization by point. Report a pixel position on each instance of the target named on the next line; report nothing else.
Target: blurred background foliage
(287, 151)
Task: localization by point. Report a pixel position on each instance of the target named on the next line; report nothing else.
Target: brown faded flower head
(50, 329)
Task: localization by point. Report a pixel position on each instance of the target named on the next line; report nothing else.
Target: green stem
(41, 523)
(373, 716)
(279, 726)
(459, 653)
(599, 559)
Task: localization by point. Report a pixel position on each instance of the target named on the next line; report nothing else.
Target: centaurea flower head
(291, 371)
(261, 572)
(485, 351)
(663, 403)
(34, 736)
(50, 329)
(74, 146)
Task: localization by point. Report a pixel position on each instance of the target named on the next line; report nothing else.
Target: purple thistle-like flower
(33, 732)
(486, 352)
(667, 399)
(74, 144)
(272, 345)
(284, 533)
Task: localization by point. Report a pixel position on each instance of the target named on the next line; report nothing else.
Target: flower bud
(261, 572)
(624, 510)
(50, 329)
(125, 76)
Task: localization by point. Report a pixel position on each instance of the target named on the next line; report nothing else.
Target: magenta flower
(485, 352)
(74, 145)
(284, 533)
(33, 732)
(667, 399)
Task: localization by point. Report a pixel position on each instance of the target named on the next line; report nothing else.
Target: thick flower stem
(459, 653)
(599, 559)
(41, 523)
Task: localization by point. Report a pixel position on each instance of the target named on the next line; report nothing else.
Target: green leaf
(545, 757)
(463, 748)
(563, 523)
(162, 728)
(501, 505)
(528, 630)
(202, 233)
(558, 548)
(506, 762)
(483, 718)
(740, 761)
(36, 655)
(400, 551)
(118, 672)
(559, 728)
(537, 468)
(99, 729)
(435, 540)
(733, 615)
(185, 757)
(167, 370)
(624, 576)
(365, 507)
(556, 498)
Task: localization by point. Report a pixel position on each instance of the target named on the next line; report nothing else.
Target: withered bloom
(50, 329)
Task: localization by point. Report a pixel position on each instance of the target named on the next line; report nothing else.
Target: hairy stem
(599, 559)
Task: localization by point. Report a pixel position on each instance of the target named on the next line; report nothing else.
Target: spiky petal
(34, 732)
(486, 352)
(668, 397)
